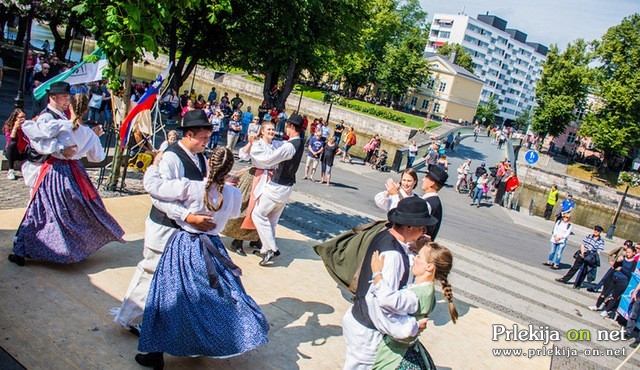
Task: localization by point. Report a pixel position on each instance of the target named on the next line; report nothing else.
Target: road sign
(532, 157)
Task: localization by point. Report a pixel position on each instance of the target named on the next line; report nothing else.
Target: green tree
(488, 111)
(403, 65)
(523, 119)
(280, 38)
(463, 58)
(124, 30)
(614, 123)
(562, 89)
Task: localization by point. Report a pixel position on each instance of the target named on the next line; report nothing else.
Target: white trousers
(265, 216)
(361, 343)
(132, 308)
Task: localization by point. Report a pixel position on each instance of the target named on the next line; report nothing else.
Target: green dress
(408, 354)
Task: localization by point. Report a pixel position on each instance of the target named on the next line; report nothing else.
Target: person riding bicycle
(463, 171)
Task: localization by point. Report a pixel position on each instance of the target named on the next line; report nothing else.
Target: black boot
(18, 260)
(237, 246)
(151, 359)
(257, 244)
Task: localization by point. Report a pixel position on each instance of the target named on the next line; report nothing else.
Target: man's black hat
(411, 211)
(195, 118)
(60, 87)
(438, 175)
(296, 120)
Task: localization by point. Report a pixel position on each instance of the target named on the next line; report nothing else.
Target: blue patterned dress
(66, 220)
(197, 305)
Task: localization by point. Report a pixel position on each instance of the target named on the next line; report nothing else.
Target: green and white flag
(82, 72)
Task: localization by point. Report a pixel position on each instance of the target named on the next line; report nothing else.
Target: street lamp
(300, 101)
(19, 101)
(329, 97)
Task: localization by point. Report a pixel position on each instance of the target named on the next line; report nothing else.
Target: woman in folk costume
(388, 199)
(251, 183)
(402, 314)
(197, 305)
(65, 220)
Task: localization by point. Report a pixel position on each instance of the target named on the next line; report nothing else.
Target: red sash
(87, 189)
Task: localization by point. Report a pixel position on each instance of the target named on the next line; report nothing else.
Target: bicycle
(465, 184)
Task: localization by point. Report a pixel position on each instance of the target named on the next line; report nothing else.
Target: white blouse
(191, 194)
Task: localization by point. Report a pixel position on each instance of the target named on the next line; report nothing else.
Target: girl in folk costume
(65, 220)
(402, 314)
(223, 321)
(251, 183)
(388, 199)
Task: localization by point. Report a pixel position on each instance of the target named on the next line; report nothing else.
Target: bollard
(531, 208)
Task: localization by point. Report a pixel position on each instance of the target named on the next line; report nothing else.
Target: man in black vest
(409, 221)
(267, 211)
(181, 159)
(59, 100)
(435, 179)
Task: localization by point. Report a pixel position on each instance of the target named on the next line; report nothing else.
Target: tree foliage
(614, 123)
(463, 58)
(280, 39)
(523, 119)
(488, 111)
(562, 89)
(404, 65)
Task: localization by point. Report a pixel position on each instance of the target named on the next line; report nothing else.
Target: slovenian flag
(144, 104)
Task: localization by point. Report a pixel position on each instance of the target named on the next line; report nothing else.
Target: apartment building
(509, 65)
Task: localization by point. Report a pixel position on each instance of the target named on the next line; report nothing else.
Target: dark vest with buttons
(382, 242)
(285, 173)
(32, 154)
(436, 211)
(191, 171)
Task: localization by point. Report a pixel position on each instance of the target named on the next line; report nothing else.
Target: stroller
(381, 162)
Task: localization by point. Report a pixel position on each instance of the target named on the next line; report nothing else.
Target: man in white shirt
(183, 159)
(267, 211)
(410, 220)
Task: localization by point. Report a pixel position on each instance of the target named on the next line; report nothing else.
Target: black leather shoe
(256, 244)
(592, 290)
(237, 246)
(634, 344)
(18, 260)
(135, 331)
(151, 359)
(276, 253)
(266, 258)
(241, 252)
(561, 280)
(257, 252)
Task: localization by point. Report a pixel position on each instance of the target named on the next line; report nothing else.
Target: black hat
(598, 228)
(59, 88)
(195, 118)
(411, 211)
(296, 120)
(438, 175)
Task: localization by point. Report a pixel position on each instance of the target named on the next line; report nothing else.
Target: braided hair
(79, 105)
(443, 259)
(220, 164)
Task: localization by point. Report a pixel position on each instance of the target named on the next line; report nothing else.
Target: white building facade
(509, 65)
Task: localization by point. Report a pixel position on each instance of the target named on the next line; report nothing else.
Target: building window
(430, 83)
(425, 104)
(436, 107)
(414, 100)
(445, 34)
(571, 138)
(442, 87)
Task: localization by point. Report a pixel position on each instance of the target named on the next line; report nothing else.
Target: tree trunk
(119, 159)
(22, 31)
(288, 85)
(270, 78)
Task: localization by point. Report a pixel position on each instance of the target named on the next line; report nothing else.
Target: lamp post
(329, 97)
(300, 101)
(19, 101)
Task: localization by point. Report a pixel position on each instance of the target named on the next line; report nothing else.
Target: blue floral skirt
(197, 305)
(66, 220)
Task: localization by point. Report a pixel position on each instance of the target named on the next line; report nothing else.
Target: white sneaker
(604, 313)
(11, 175)
(594, 308)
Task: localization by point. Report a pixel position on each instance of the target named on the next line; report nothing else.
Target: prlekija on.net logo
(544, 334)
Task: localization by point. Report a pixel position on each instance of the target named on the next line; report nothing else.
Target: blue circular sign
(531, 157)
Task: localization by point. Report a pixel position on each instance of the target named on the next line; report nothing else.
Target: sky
(545, 21)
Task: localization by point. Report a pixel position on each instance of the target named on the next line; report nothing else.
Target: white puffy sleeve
(96, 152)
(43, 133)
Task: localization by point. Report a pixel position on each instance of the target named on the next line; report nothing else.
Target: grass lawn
(411, 120)
(591, 174)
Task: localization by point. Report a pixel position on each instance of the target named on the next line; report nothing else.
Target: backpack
(343, 254)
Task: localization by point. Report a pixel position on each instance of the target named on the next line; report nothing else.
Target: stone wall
(581, 189)
(361, 123)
